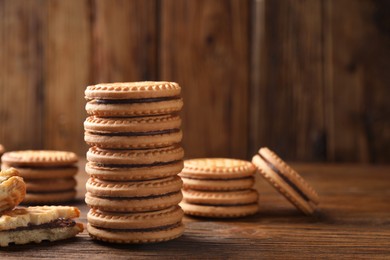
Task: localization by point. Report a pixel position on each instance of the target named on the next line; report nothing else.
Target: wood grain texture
(124, 40)
(67, 73)
(21, 74)
(353, 222)
(289, 115)
(357, 80)
(205, 47)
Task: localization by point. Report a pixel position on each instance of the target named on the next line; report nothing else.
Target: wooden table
(353, 221)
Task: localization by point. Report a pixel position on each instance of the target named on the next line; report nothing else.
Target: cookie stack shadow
(134, 134)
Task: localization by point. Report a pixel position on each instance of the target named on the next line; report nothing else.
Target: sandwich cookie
(12, 189)
(136, 196)
(145, 227)
(130, 99)
(286, 180)
(49, 175)
(132, 133)
(219, 187)
(36, 224)
(127, 165)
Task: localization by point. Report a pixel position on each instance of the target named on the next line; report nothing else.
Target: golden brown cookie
(286, 180)
(51, 185)
(241, 197)
(133, 204)
(218, 211)
(135, 132)
(1, 150)
(35, 224)
(217, 168)
(134, 164)
(12, 189)
(129, 99)
(218, 184)
(39, 158)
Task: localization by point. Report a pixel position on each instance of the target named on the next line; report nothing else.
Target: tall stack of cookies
(133, 163)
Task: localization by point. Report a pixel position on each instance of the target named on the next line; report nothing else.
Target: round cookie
(49, 197)
(12, 189)
(218, 185)
(129, 99)
(136, 132)
(44, 173)
(132, 189)
(134, 164)
(220, 198)
(39, 158)
(217, 168)
(136, 236)
(215, 211)
(50, 185)
(286, 180)
(140, 220)
(133, 204)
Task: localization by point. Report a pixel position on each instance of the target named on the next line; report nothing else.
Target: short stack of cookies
(49, 175)
(219, 187)
(133, 162)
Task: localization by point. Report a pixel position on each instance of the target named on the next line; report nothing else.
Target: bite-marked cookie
(286, 180)
(130, 220)
(49, 197)
(218, 185)
(50, 185)
(35, 224)
(12, 189)
(133, 204)
(118, 189)
(217, 168)
(136, 236)
(133, 99)
(220, 198)
(219, 211)
(39, 158)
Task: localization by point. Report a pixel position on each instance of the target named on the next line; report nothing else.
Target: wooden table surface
(353, 221)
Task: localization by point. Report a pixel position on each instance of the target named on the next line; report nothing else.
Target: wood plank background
(307, 78)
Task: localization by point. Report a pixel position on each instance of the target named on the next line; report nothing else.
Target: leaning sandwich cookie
(286, 180)
(39, 223)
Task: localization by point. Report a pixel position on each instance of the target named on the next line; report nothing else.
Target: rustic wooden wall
(307, 78)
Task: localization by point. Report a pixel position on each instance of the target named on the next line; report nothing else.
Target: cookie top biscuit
(217, 168)
(286, 180)
(39, 158)
(133, 90)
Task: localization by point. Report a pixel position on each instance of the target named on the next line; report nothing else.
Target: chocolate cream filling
(57, 223)
(285, 178)
(140, 198)
(159, 132)
(107, 165)
(136, 100)
(153, 229)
